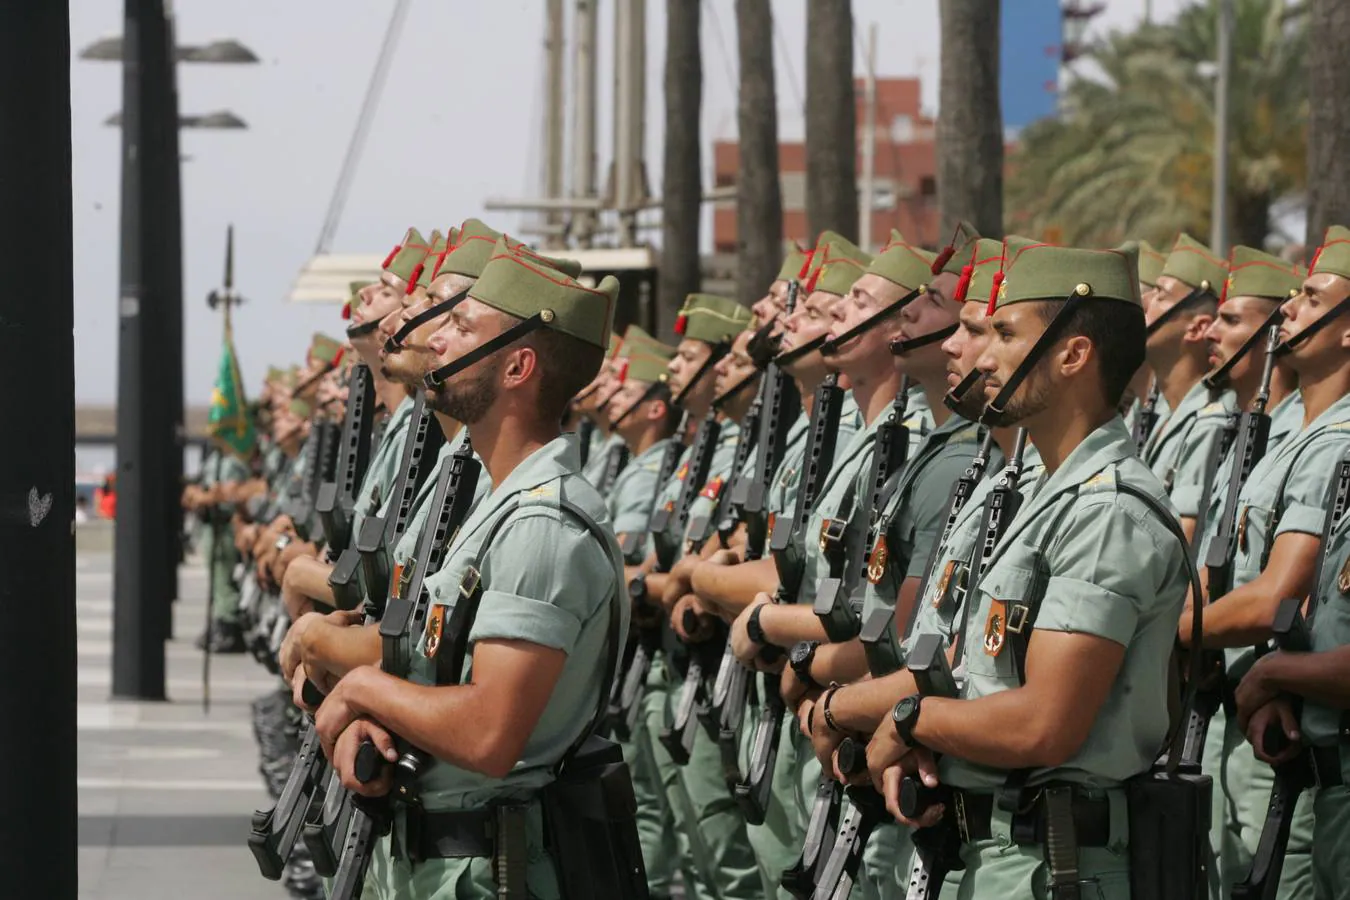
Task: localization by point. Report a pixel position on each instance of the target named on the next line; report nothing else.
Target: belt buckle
(1017, 618)
(962, 825)
(469, 582)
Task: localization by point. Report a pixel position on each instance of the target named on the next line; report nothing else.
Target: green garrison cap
(633, 340)
(471, 252)
(648, 363)
(426, 270)
(1252, 273)
(356, 287)
(900, 262)
(1151, 264)
(838, 263)
(795, 263)
(301, 408)
(1334, 254)
(1047, 272)
(986, 263)
(569, 267)
(957, 252)
(525, 287)
(324, 348)
(615, 346)
(274, 375)
(711, 319)
(407, 254)
(1195, 265)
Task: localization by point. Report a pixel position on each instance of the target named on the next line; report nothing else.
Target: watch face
(905, 708)
(801, 653)
(637, 587)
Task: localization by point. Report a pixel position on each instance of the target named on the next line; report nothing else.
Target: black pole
(139, 621)
(172, 257)
(37, 482)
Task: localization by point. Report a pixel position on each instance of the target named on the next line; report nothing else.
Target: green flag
(230, 425)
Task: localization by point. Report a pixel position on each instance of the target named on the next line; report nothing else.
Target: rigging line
(369, 105)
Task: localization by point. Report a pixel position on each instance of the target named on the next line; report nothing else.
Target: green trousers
(655, 824)
(778, 840)
(723, 866)
(1330, 861)
(222, 556)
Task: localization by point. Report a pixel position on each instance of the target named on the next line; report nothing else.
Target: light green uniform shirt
(631, 499)
(378, 482)
(546, 580)
(1285, 492)
(219, 468)
(1103, 564)
(1321, 725)
(598, 461)
(1181, 443)
(702, 510)
(919, 421)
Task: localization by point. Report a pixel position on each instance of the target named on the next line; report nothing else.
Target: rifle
(615, 463)
(380, 534)
(752, 793)
(405, 613)
(336, 501)
(833, 605)
(1148, 419)
(1293, 634)
(1253, 434)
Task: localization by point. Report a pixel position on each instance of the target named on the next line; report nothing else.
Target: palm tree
(1328, 121)
(970, 126)
(831, 119)
(1132, 156)
(759, 201)
(681, 185)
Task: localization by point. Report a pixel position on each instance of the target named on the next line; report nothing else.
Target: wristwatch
(800, 659)
(753, 628)
(284, 541)
(637, 586)
(905, 716)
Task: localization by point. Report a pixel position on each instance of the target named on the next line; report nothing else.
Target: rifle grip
(369, 762)
(1273, 740)
(311, 694)
(851, 757)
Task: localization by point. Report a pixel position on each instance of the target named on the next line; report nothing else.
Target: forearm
(338, 650)
(839, 663)
(862, 705)
(786, 624)
(733, 588)
(1323, 678)
(1240, 618)
(425, 717)
(1007, 730)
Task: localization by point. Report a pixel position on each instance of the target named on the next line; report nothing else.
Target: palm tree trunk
(759, 198)
(681, 189)
(831, 119)
(970, 120)
(1250, 218)
(1328, 119)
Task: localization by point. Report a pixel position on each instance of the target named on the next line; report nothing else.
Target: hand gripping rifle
(1249, 447)
(1147, 421)
(336, 503)
(1293, 633)
(752, 793)
(360, 823)
(380, 534)
(837, 610)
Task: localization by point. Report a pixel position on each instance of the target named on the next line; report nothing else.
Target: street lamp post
(150, 337)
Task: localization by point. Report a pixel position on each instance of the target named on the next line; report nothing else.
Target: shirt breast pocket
(1008, 594)
(1254, 527)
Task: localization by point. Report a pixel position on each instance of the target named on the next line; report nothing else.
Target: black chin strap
(718, 351)
(1038, 349)
(1312, 329)
(762, 346)
(1219, 377)
(1196, 294)
(437, 377)
(958, 393)
(900, 348)
(394, 343)
(735, 389)
(831, 347)
(648, 394)
(361, 329)
(789, 357)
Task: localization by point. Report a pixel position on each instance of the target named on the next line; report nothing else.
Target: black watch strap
(904, 723)
(801, 667)
(755, 630)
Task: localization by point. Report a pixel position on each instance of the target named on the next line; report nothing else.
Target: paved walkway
(165, 790)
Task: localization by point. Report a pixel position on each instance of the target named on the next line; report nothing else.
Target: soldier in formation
(1004, 570)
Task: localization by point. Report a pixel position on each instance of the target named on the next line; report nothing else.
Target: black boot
(227, 637)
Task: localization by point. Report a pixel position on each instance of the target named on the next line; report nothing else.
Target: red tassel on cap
(337, 357)
(993, 293)
(623, 372)
(1316, 257)
(806, 266)
(412, 278)
(440, 261)
(942, 259)
(347, 310)
(680, 323)
(390, 258)
(963, 284)
(811, 282)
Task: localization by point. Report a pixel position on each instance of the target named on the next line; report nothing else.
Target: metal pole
(553, 117)
(37, 483)
(138, 624)
(625, 84)
(171, 170)
(869, 147)
(1218, 239)
(583, 122)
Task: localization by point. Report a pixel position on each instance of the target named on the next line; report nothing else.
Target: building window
(726, 179)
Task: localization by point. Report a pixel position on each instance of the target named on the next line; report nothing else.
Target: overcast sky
(460, 121)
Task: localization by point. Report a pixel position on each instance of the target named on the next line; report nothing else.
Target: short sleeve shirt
(406, 547)
(384, 464)
(546, 580)
(631, 499)
(718, 479)
(841, 496)
(598, 461)
(1179, 449)
(1102, 563)
(1321, 725)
